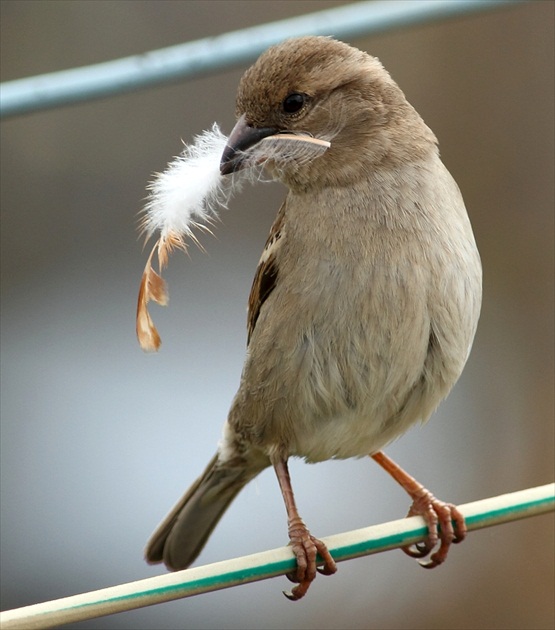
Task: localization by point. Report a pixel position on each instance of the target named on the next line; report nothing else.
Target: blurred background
(99, 440)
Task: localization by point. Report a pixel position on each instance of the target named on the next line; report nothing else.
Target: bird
(364, 305)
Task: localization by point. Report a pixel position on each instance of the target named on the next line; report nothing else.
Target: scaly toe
(445, 523)
(329, 567)
(306, 547)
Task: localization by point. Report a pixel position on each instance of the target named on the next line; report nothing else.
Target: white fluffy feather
(190, 189)
(188, 194)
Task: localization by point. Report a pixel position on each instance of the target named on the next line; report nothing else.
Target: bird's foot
(306, 547)
(439, 516)
(446, 525)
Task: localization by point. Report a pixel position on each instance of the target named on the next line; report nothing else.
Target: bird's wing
(266, 274)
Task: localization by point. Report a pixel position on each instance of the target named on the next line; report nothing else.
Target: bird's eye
(293, 103)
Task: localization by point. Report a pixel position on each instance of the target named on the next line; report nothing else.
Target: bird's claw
(418, 550)
(306, 548)
(446, 525)
(327, 569)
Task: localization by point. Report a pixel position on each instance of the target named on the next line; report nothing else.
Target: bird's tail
(180, 537)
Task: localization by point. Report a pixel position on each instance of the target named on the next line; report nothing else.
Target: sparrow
(364, 305)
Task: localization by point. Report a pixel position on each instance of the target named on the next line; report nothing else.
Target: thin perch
(259, 566)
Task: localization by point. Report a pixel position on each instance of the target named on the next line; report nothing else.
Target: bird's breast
(344, 347)
(365, 332)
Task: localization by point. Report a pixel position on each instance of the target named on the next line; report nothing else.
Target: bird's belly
(346, 392)
(352, 434)
(353, 409)
(354, 364)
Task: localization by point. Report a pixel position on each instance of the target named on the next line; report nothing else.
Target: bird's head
(328, 90)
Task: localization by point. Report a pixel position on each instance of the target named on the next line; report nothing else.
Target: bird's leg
(445, 522)
(304, 545)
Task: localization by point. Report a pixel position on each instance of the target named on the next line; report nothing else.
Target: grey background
(99, 440)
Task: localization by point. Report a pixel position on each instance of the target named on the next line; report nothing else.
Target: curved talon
(414, 552)
(445, 524)
(306, 547)
(433, 562)
(298, 592)
(424, 547)
(418, 550)
(436, 558)
(326, 570)
(329, 567)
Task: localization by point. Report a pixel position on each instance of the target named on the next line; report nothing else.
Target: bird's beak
(241, 138)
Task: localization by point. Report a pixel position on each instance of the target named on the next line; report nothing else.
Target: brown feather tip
(153, 287)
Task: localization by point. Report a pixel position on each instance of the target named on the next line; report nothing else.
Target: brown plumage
(365, 303)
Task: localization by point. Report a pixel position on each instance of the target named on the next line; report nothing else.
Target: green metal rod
(260, 566)
(212, 54)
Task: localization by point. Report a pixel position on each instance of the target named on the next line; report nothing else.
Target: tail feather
(180, 537)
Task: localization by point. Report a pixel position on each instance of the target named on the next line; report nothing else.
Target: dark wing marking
(266, 274)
